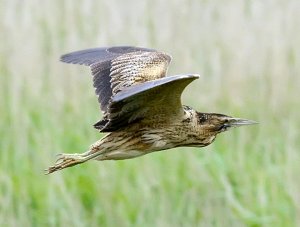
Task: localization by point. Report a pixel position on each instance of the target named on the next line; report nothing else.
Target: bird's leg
(67, 160)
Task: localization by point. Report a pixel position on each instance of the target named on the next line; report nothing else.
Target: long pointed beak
(236, 122)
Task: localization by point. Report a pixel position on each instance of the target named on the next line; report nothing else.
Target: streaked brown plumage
(142, 110)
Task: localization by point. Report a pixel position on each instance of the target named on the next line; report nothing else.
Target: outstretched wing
(153, 101)
(116, 68)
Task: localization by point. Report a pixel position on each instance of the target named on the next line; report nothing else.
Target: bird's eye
(202, 119)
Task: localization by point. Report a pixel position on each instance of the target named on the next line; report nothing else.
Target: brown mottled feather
(100, 60)
(117, 68)
(137, 67)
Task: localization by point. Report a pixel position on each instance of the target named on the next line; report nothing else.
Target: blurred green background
(247, 53)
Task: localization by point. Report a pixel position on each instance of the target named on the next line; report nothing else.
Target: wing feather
(102, 54)
(158, 100)
(137, 67)
(116, 68)
(131, 85)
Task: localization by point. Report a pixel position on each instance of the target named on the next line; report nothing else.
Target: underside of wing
(137, 67)
(117, 68)
(157, 100)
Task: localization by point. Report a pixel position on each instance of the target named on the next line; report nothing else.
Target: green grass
(248, 55)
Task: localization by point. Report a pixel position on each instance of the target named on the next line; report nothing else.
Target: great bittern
(142, 110)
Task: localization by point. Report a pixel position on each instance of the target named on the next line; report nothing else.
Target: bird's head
(217, 123)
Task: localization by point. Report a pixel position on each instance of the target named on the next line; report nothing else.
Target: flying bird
(141, 106)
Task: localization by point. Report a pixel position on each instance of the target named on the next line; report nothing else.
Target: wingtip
(64, 58)
(196, 75)
(192, 75)
(61, 58)
(70, 59)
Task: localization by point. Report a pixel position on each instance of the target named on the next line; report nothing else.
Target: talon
(60, 160)
(64, 161)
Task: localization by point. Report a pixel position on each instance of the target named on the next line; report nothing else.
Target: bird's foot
(65, 160)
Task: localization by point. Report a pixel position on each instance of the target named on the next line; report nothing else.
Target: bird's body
(141, 106)
(155, 137)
